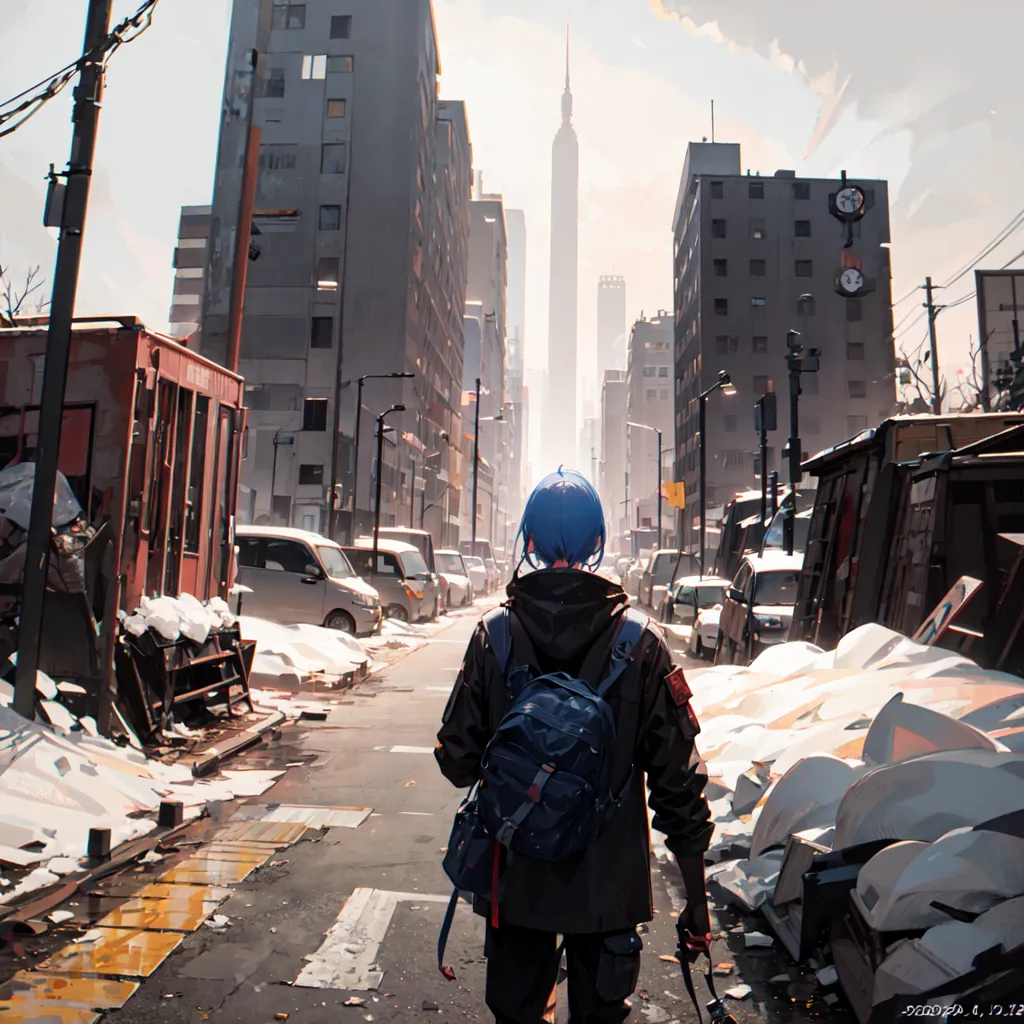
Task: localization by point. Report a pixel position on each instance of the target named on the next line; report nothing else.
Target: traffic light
(766, 414)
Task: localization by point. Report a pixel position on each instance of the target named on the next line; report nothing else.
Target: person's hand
(694, 929)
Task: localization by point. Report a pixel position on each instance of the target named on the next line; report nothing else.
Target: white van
(296, 576)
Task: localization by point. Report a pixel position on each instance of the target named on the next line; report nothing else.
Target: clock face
(850, 201)
(851, 280)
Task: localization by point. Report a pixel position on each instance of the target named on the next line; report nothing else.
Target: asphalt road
(368, 901)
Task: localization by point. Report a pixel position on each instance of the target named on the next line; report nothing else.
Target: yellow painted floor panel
(211, 872)
(281, 833)
(81, 993)
(228, 853)
(30, 1012)
(129, 952)
(186, 894)
(158, 915)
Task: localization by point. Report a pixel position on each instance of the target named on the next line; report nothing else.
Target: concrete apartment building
(613, 457)
(515, 224)
(362, 225)
(755, 257)
(611, 324)
(190, 258)
(650, 400)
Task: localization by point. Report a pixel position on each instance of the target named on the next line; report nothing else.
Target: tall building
(560, 420)
(190, 259)
(536, 441)
(754, 258)
(515, 223)
(611, 324)
(650, 402)
(613, 457)
(362, 226)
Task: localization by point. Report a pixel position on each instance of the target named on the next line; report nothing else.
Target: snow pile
(174, 617)
(55, 787)
(288, 655)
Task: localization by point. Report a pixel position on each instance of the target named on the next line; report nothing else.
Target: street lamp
(355, 472)
(644, 426)
(380, 477)
(725, 383)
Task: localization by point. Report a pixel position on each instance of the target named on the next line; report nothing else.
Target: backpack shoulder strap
(497, 625)
(631, 628)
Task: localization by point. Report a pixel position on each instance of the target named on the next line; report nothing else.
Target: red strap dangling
(494, 884)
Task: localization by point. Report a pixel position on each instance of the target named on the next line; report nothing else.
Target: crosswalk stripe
(412, 750)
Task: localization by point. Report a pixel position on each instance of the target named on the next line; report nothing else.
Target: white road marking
(438, 689)
(320, 817)
(418, 814)
(347, 958)
(412, 750)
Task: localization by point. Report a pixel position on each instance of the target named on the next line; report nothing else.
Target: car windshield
(413, 563)
(665, 567)
(776, 587)
(775, 537)
(473, 562)
(451, 564)
(334, 561)
(708, 597)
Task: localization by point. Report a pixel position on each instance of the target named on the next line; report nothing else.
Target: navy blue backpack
(545, 788)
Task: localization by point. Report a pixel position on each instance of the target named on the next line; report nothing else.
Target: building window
(855, 424)
(341, 26)
(339, 65)
(760, 344)
(854, 350)
(275, 84)
(758, 268)
(327, 273)
(335, 108)
(810, 424)
(718, 229)
(314, 67)
(755, 190)
(330, 218)
(729, 423)
(802, 229)
(760, 384)
(278, 157)
(857, 388)
(288, 16)
(662, 371)
(333, 158)
(311, 473)
(805, 268)
(721, 307)
(314, 414)
(663, 392)
(725, 343)
(321, 334)
(805, 305)
(649, 371)
(801, 190)
(758, 302)
(652, 394)
(854, 311)
(717, 190)
(721, 268)
(757, 228)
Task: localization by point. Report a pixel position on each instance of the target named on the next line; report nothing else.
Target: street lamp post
(279, 442)
(645, 426)
(725, 383)
(355, 472)
(380, 477)
(476, 463)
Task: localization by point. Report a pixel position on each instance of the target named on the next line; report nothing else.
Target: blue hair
(563, 521)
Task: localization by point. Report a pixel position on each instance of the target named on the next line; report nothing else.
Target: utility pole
(933, 312)
(85, 118)
(798, 362)
(765, 419)
(476, 461)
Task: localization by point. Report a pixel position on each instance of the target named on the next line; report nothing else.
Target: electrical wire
(1011, 228)
(34, 98)
(909, 295)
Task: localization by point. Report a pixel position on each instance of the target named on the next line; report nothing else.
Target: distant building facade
(191, 255)
(349, 280)
(754, 258)
(613, 456)
(611, 324)
(515, 223)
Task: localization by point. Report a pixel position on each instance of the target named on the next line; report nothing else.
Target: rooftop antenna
(712, 120)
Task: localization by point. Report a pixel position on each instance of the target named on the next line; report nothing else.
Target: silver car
(406, 586)
(296, 576)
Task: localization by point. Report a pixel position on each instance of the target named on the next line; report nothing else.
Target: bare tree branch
(13, 298)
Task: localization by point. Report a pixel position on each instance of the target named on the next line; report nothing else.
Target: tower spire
(567, 95)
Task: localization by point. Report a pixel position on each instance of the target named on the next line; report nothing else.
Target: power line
(1011, 228)
(34, 98)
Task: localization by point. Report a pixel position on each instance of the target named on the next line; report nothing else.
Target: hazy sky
(929, 103)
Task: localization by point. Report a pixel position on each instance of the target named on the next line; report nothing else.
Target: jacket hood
(563, 611)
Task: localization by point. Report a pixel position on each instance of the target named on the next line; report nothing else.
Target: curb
(220, 752)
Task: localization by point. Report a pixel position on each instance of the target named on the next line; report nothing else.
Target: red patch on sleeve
(677, 685)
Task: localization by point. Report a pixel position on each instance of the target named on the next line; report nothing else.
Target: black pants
(522, 970)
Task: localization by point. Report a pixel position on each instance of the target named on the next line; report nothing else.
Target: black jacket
(566, 612)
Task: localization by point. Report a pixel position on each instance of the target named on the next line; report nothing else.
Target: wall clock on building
(850, 201)
(851, 281)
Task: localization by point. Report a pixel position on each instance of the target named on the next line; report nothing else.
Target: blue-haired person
(566, 618)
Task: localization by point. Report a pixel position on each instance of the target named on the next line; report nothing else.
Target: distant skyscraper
(611, 324)
(560, 435)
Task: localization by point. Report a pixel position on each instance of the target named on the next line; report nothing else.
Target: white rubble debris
(881, 739)
(288, 655)
(173, 617)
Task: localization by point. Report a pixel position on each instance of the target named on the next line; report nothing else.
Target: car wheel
(397, 612)
(448, 601)
(720, 652)
(341, 621)
(699, 651)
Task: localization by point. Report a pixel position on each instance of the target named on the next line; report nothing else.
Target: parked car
(631, 582)
(407, 588)
(455, 575)
(494, 574)
(296, 576)
(758, 608)
(477, 574)
(424, 543)
(662, 568)
(695, 605)
(774, 538)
